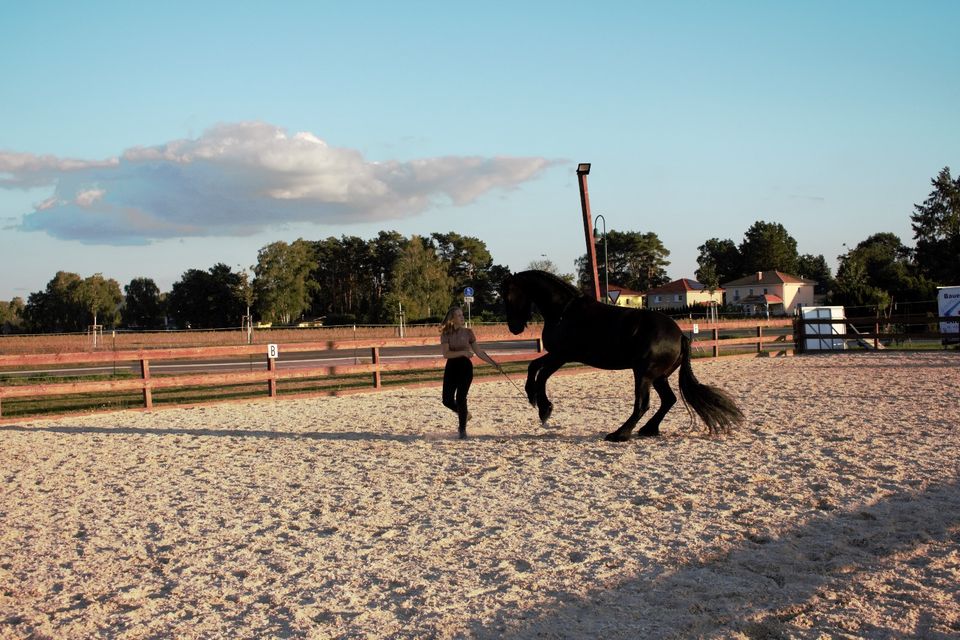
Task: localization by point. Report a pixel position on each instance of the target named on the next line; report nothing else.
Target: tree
(55, 309)
(816, 268)
(11, 315)
(878, 271)
(468, 263)
(208, 299)
(100, 298)
(636, 260)
(766, 246)
(547, 265)
(420, 283)
(385, 250)
(282, 284)
(143, 304)
(344, 278)
(720, 261)
(936, 229)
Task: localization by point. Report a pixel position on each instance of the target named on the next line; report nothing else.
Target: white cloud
(89, 197)
(237, 179)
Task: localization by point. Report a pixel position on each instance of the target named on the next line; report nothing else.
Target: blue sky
(145, 139)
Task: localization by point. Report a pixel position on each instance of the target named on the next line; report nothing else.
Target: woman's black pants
(457, 377)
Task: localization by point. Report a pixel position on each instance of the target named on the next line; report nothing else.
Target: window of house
(656, 298)
(676, 298)
(751, 292)
(736, 294)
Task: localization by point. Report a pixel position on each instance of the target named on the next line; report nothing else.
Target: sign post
(468, 298)
(273, 352)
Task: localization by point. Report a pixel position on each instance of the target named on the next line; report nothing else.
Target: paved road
(298, 360)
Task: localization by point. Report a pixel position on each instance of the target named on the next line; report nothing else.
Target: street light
(606, 271)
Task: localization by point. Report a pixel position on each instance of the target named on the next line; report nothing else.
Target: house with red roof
(770, 292)
(682, 293)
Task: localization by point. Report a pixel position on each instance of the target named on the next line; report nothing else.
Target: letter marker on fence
(273, 351)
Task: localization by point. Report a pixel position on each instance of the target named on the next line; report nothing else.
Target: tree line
(349, 280)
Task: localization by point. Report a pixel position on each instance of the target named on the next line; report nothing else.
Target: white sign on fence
(696, 328)
(273, 351)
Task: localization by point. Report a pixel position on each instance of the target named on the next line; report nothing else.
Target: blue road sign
(468, 292)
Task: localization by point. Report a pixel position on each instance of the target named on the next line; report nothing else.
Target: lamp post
(246, 291)
(583, 169)
(606, 271)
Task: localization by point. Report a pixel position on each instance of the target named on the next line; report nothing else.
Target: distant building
(624, 297)
(769, 292)
(682, 293)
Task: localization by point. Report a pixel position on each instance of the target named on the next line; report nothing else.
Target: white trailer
(948, 305)
(826, 336)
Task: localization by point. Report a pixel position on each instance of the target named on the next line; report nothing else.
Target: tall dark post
(583, 169)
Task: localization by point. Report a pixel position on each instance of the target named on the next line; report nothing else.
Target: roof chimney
(759, 276)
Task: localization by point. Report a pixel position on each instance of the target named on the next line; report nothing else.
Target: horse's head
(517, 303)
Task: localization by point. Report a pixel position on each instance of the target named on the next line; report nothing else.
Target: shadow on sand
(358, 436)
(794, 585)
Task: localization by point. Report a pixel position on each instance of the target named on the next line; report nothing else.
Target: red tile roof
(765, 298)
(623, 290)
(766, 277)
(682, 285)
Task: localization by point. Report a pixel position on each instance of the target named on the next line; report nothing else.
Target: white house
(770, 292)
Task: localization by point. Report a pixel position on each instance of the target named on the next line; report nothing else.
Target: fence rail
(874, 333)
(737, 338)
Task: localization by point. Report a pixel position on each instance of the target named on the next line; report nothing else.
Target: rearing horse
(579, 329)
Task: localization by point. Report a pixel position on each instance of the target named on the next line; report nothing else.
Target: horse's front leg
(531, 386)
(548, 367)
(641, 402)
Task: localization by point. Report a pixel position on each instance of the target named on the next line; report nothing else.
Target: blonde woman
(458, 343)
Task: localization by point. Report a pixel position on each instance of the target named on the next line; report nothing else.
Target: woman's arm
(483, 356)
(449, 352)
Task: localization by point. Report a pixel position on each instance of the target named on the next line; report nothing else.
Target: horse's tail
(714, 407)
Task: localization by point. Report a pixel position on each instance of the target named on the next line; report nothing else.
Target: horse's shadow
(768, 586)
(333, 436)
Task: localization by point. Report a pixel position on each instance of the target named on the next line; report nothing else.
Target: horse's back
(611, 337)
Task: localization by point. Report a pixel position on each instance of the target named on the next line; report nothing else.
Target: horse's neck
(551, 299)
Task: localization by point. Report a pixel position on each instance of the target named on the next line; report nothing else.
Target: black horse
(579, 329)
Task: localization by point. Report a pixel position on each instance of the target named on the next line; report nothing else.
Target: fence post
(759, 338)
(375, 361)
(147, 391)
(716, 342)
(876, 335)
(540, 344)
(272, 384)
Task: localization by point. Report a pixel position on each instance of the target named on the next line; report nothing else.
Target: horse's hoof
(616, 437)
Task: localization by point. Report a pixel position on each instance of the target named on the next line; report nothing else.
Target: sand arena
(834, 511)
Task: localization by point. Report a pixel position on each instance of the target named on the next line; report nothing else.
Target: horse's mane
(551, 281)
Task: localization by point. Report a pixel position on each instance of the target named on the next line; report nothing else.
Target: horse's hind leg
(641, 402)
(667, 399)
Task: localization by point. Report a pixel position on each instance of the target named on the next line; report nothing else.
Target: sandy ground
(834, 511)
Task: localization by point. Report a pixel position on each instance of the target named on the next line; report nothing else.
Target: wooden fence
(743, 338)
